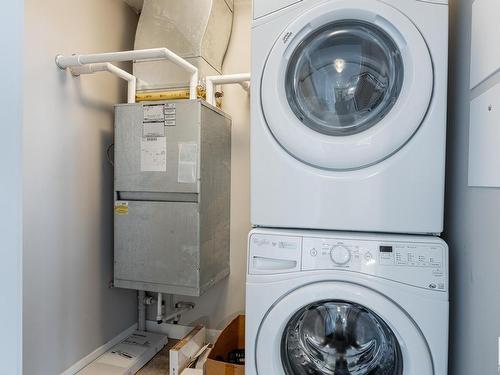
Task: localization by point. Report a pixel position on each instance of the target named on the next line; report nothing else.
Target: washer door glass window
(344, 78)
(339, 338)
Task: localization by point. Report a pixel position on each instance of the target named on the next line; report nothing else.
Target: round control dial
(340, 255)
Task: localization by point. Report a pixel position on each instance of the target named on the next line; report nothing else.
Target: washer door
(347, 84)
(337, 328)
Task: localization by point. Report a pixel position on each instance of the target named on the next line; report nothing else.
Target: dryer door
(337, 328)
(347, 84)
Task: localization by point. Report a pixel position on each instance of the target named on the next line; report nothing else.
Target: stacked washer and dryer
(346, 272)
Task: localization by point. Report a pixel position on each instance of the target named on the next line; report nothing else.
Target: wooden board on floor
(160, 364)
(185, 350)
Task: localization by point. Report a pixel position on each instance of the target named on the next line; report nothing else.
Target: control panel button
(340, 255)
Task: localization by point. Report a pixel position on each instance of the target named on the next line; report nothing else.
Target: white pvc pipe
(242, 79)
(64, 62)
(159, 311)
(108, 67)
(141, 319)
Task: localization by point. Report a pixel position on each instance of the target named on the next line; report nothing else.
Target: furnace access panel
(172, 196)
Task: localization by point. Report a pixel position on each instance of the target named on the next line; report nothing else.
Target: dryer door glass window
(339, 338)
(344, 78)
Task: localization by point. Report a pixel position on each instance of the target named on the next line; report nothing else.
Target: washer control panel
(421, 264)
(413, 260)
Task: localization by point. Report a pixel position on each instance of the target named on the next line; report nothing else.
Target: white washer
(342, 303)
(349, 114)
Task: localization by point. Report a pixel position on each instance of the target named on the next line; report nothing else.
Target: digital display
(386, 249)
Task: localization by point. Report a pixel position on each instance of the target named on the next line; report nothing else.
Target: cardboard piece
(231, 338)
(202, 359)
(186, 349)
(192, 371)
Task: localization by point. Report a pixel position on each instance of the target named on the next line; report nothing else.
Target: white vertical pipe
(126, 76)
(107, 67)
(131, 91)
(159, 311)
(210, 87)
(193, 86)
(141, 311)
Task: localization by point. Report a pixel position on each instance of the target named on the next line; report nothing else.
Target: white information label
(154, 154)
(153, 129)
(188, 163)
(170, 115)
(153, 113)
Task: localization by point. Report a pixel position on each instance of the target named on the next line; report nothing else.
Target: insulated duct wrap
(198, 31)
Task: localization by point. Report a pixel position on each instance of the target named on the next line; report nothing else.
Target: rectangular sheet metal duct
(198, 31)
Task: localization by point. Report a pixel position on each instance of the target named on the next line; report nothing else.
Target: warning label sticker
(164, 113)
(121, 208)
(153, 113)
(153, 129)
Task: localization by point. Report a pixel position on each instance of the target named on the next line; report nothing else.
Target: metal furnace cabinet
(172, 196)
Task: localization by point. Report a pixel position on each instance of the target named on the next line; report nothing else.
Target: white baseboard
(99, 351)
(174, 331)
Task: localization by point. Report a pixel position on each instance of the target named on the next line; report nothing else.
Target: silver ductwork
(198, 31)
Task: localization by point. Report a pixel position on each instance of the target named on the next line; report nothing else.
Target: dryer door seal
(382, 330)
(347, 84)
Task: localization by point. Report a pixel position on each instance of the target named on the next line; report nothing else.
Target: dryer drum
(344, 77)
(339, 338)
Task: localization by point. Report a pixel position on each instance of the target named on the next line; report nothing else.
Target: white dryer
(338, 303)
(349, 114)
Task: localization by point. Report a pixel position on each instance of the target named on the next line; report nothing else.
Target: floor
(160, 364)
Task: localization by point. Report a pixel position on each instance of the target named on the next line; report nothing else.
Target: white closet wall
(472, 219)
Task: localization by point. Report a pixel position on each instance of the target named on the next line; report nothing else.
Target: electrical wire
(108, 157)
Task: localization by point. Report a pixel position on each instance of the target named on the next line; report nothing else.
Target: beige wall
(69, 310)
(228, 297)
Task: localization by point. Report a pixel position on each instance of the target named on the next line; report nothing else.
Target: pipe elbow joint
(57, 58)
